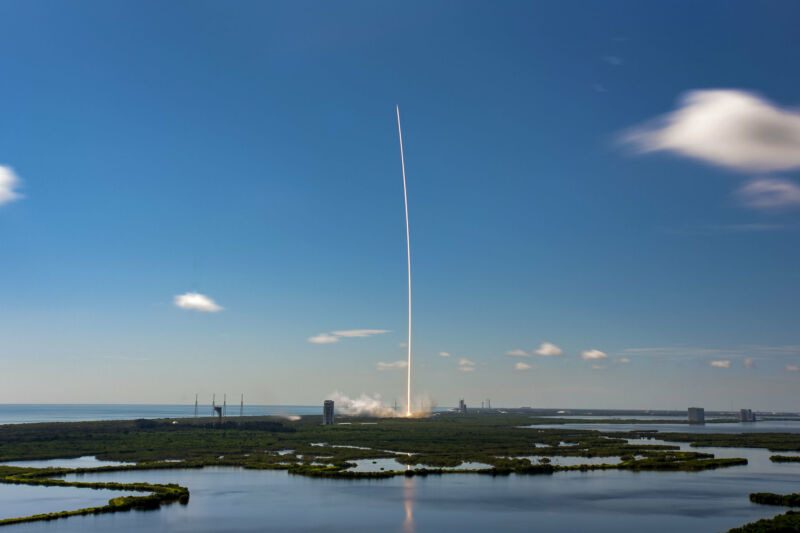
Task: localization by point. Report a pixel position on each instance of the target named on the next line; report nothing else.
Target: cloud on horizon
(624, 360)
(465, 365)
(548, 349)
(726, 127)
(391, 366)
(444, 354)
(589, 355)
(720, 364)
(336, 336)
(194, 301)
(518, 353)
(8, 183)
(323, 338)
(522, 366)
(792, 368)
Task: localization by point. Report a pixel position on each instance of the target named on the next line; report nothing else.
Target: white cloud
(769, 193)
(522, 366)
(465, 365)
(336, 336)
(593, 354)
(727, 127)
(749, 362)
(391, 366)
(323, 338)
(720, 364)
(518, 353)
(8, 182)
(444, 354)
(792, 368)
(194, 301)
(548, 349)
(598, 367)
(624, 360)
(613, 60)
(359, 332)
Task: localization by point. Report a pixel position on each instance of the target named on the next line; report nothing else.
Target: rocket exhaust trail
(408, 255)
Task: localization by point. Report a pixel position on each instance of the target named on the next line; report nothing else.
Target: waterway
(233, 499)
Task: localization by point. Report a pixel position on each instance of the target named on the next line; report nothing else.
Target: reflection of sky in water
(26, 500)
(87, 461)
(231, 499)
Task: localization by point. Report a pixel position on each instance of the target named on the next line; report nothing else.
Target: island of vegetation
(443, 444)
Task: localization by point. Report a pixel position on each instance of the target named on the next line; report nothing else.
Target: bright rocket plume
(408, 255)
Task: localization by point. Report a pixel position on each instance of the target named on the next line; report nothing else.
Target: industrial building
(462, 407)
(327, 413)
(746, 415)
(697, 415)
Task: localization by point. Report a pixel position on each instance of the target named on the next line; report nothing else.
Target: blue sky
(248, 152)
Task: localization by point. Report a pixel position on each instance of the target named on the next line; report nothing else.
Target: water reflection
(408, 503)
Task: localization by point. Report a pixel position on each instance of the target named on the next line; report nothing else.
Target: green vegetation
(774, 442)
(769, 498)
(501, 444)
(785, 458)
(155, 497)
(788, 522)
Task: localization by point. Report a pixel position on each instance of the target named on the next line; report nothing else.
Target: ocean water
(26, 413)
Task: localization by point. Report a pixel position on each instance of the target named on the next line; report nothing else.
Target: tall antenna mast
(195, 405)
(224, 405)
(408, 255)
(241, 406)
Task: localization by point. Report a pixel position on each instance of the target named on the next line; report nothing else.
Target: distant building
(462, 407)
(697, 415)
(746, 415)
(327, 413)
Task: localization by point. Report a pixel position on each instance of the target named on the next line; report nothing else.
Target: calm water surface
(231, 499)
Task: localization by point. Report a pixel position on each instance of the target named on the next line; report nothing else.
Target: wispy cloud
(614, 61)
(8, 183)
(623, 360)
(599, 367)
(391, 366)
(336, 336)
(726, 127)
(593, 354)
(518, 353)
(720, 364)
(194, 301)
(548, 349)
(465, 365)
(359, 332)
(792, 368)
(323, 338)
(522, 366)
(749, 363)
(769, 193)
(444, 354)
